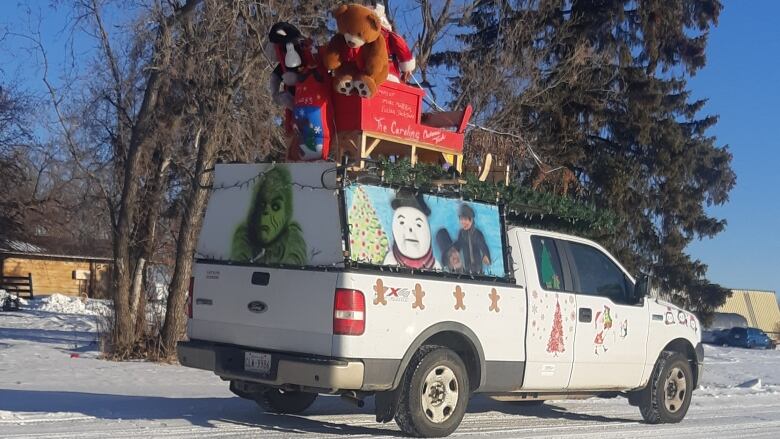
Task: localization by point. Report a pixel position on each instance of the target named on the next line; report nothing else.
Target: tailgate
(266, 308)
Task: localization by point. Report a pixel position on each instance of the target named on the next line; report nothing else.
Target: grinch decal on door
(605, 331)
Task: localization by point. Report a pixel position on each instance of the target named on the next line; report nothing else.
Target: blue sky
(741, 81)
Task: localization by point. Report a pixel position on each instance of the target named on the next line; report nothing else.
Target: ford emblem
(257, 306)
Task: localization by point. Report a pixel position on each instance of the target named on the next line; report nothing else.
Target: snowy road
(45, 393)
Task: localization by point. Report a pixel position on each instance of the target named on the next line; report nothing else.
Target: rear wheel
(434, 393)
(289, 402)
(668, 394)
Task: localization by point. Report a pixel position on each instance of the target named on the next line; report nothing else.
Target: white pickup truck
(564, 319)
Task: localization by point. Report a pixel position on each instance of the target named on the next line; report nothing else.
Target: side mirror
(641, 288)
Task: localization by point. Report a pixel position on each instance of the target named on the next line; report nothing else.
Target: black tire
(287, 402)
(445, 367)
(664, 400)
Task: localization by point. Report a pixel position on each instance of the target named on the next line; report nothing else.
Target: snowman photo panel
(402, 228)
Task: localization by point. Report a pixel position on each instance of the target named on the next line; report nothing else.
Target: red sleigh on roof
(392, 123)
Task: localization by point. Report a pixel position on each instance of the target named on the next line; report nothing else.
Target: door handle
(586, 315)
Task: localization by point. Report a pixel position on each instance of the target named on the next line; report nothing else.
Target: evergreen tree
(599, 87)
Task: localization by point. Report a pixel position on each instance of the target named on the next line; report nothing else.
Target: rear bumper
(287, 370)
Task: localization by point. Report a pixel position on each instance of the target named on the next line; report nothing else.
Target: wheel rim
(675, 388)
(439, 394)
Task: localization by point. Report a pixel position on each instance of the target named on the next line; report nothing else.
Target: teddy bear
(357, 54)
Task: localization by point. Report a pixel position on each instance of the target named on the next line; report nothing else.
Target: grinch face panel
(272, 211)
(411, 232)
(272, 218)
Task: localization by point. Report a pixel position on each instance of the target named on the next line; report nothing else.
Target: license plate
(257, 362)
(736, 336)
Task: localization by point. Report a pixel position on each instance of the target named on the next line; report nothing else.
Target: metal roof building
(759, 308)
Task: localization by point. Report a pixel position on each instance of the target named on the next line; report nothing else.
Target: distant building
(51, 271)
(758, 307)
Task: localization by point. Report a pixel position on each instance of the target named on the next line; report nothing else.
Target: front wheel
(434, 393)
(288, 402)
(668, 394)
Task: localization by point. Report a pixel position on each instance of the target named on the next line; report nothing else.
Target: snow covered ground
(52, 385)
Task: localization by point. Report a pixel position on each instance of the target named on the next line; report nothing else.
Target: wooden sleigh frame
(392, 124)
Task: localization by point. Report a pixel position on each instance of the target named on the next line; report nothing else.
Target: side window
(598, 275)
(548, 263)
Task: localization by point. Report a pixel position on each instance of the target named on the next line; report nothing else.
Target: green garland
(522, 205)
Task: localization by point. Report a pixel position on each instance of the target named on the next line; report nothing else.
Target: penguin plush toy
(293, 53)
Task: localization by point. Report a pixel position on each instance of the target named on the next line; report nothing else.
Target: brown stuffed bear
(357, 55)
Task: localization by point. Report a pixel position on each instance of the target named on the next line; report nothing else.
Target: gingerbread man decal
(418, 297)
(494, 300)
(459, 295)
(380, 290)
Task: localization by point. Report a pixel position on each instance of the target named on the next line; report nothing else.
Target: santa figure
(401, 62)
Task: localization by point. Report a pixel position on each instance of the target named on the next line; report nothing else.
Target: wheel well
(464, 348)
(685, 347)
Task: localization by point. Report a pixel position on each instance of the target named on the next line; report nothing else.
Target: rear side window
(598, 275)
(548, 263)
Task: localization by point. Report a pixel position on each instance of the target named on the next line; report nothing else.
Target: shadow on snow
(205, 411)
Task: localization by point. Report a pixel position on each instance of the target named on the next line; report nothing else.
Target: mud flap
(634, 397)
(386, 404)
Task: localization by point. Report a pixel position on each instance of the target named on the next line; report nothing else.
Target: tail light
(349, 312)
(189, 297)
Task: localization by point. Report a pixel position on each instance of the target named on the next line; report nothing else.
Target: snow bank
(730, 371)
(60, 303)
(4, 294)
(754, 384)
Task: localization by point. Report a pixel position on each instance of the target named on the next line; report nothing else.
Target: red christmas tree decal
(555, 344)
